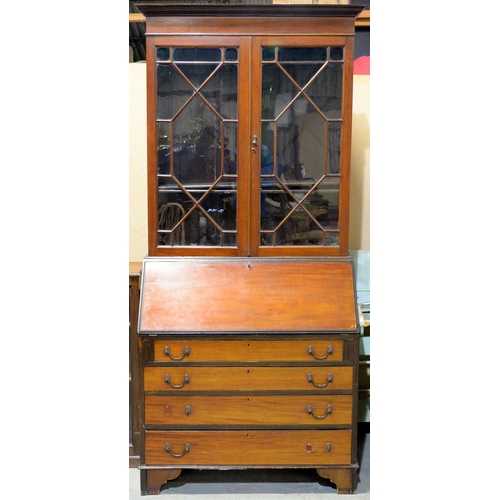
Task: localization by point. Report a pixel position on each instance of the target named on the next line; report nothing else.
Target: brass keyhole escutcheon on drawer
(329, 352)
(329, 380)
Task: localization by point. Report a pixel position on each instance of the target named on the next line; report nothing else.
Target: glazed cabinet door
(249, 145)
(301, 103)
(197, 118)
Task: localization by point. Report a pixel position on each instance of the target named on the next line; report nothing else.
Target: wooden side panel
(242, 295)
(224, 448)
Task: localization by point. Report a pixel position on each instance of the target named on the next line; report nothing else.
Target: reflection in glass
(336, 53)
(196, 54)
(163, 54)
(220, 91)
(301, 127)
(172, 91)
(231, 55)
(302, 73)
(277, 91)
(301, 54)
(326, 91)
(268, 53)
(334, 130)
(197, 135)
(197, 74)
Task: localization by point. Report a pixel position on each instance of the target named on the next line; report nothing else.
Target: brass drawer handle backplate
(329, 352)
(186, 450)
(329, 380)
(186, 381)
(310, 411)
(186, 352)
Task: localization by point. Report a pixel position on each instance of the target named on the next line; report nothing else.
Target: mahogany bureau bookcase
(248, 330)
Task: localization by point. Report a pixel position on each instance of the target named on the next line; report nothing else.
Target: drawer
(248, 448)
(285, 378)
(250, 351)
(248, 410)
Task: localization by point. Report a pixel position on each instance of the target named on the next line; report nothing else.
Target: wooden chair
(170, 218)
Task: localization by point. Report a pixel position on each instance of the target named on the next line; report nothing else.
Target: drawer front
(303, 378)
(248, 410)
(186, 350)
(247, 448)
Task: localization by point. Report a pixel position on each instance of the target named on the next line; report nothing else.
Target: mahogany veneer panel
(248, 351)
(248, 410)
(248, 378)
(226, 448)
(247, 295)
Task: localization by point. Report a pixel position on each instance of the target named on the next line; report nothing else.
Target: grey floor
(266, 483)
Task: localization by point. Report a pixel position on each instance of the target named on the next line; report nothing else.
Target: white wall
(359, 223)
(138, 222)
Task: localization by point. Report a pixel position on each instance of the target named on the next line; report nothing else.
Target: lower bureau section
(298, 448)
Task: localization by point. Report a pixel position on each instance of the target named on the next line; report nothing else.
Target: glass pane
(326, 90)
(196, 54)
(163, 135)
(323, 203)
(163, 54)
(220, 206)
(334, 134)
(301, 139)
(302, 54)
(277, 91)
(197, 131)
(336, 53)
(268, 53)
(231, 55)
(221, 91)
(172, 193)
(300, 162)
(230, 148)
(275, 205)
(197, 74)
(197, 144)
(229, 238)
(171, 220)
(172, 91)
(302, 73)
